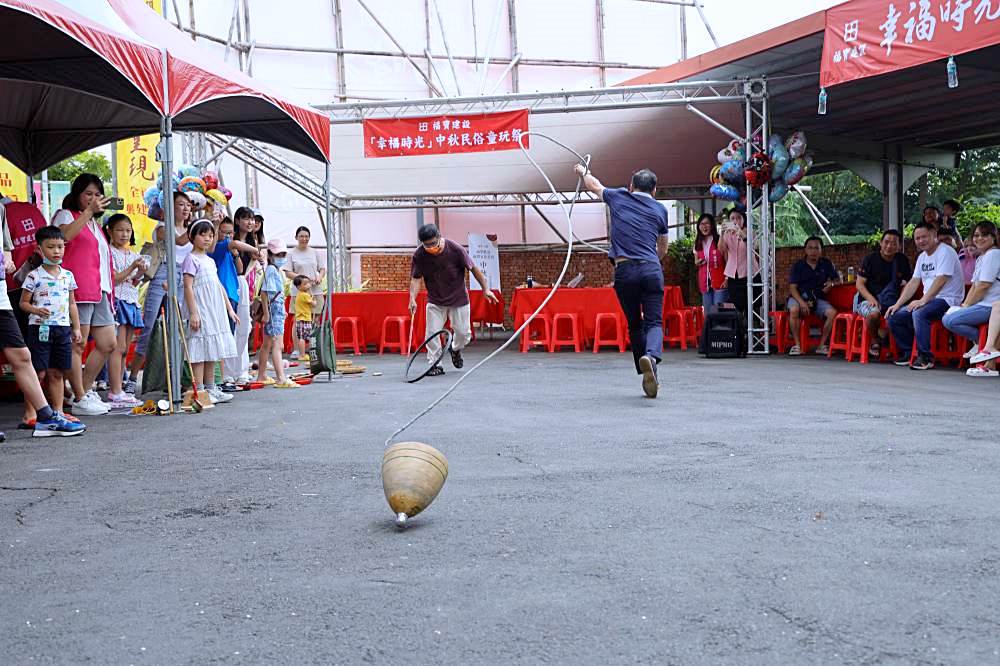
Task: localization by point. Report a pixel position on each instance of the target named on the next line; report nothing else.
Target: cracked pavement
(760, 511)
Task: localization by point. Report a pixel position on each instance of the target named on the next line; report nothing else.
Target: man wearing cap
(638, 243)
(441, 264)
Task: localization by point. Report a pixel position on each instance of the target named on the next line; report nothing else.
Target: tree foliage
(854, 207)
(88, 162)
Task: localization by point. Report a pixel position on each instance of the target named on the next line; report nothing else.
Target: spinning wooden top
(412, 476)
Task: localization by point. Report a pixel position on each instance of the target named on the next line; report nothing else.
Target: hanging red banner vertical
(870, 37)
(445, 134)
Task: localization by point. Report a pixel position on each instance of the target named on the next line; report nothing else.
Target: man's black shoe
(456, 358)
(922, 363)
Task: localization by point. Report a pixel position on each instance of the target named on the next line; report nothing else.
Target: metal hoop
(422, 349)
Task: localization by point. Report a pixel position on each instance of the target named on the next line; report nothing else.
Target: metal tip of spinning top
(401, 520)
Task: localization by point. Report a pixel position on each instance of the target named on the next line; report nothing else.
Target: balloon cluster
(784, 164)
(202, 188)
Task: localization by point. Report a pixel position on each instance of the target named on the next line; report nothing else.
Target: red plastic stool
(944, 346)
(401, 342)
(356, 341)
(618, 339)
(861, 342)
(781, 336)
(842, 323)
(805, 324)
(576, 334)
(544, 337)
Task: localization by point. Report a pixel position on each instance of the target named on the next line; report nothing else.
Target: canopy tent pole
(165, 154)
(169, 221)
(332, 278)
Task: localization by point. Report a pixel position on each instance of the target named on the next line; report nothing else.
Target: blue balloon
(188, 171)
(796, 171)
(732, 172)
(779, 189)
(724, 191)
(779, 160)
(149, 196)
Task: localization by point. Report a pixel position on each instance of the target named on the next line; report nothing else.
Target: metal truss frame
(761, 286)
(597, 99)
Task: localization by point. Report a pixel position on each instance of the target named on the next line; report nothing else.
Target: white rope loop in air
(568, 212)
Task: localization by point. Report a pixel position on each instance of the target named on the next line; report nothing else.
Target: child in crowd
(53, 327)
(304, 304)
(967, 256)
(272, 293)
(228, 260)
(128, 270)
(209, 338)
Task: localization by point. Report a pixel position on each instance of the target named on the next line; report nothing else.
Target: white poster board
(486, 255)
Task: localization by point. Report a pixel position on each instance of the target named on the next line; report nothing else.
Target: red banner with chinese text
(442, 135)
(870, 37)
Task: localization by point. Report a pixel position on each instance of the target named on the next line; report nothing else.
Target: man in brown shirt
(442, 264)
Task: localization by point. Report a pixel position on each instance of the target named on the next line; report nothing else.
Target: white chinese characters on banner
(921, 23)
(865, 38)
(486, 255)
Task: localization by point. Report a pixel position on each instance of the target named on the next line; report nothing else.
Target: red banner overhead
(441, 135)
(870, 37)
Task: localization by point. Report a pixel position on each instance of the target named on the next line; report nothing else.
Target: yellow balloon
(217, 196)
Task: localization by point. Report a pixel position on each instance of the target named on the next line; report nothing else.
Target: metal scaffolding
(334, 207)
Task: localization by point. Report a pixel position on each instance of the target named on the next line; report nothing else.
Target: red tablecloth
(372, 307)
(586, 303)
(841, 297)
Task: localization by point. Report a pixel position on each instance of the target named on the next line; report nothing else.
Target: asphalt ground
(761, 511)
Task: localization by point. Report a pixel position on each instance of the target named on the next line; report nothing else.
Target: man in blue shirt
(808, 285)
(638, 243)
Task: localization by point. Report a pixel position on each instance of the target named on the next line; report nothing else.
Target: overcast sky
(733, 20)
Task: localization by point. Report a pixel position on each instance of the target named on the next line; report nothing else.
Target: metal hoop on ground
(422, 350)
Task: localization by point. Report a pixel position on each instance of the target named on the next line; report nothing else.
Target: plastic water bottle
(531, 282)
(952, 73)
(850, 275)
(822, 102)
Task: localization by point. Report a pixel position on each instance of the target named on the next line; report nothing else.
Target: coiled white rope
(568, 212)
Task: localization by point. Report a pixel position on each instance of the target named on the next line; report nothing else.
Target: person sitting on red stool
(940, 272)
(883, 275)
(810, 280)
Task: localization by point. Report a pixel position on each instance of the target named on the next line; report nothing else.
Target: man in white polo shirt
(940, 272)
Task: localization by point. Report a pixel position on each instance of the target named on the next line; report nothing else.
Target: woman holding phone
(88, 257)
(711, 263)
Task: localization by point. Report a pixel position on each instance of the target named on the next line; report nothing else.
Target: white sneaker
(972, 352)
(90, 405)
(244, 379)
(218, 395)
(981, 371)
(122, 401)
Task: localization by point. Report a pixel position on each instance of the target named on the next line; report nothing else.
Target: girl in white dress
(206, 307)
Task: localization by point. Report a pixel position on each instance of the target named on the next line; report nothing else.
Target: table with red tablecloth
(841, 297)
(586, 303)
(372, 307)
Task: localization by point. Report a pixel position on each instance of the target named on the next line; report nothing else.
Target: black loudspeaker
(724, 335)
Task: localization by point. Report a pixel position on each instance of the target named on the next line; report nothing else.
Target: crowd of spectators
(79, 292)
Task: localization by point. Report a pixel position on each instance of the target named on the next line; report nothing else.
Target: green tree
(975, 183)
(88, 162)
